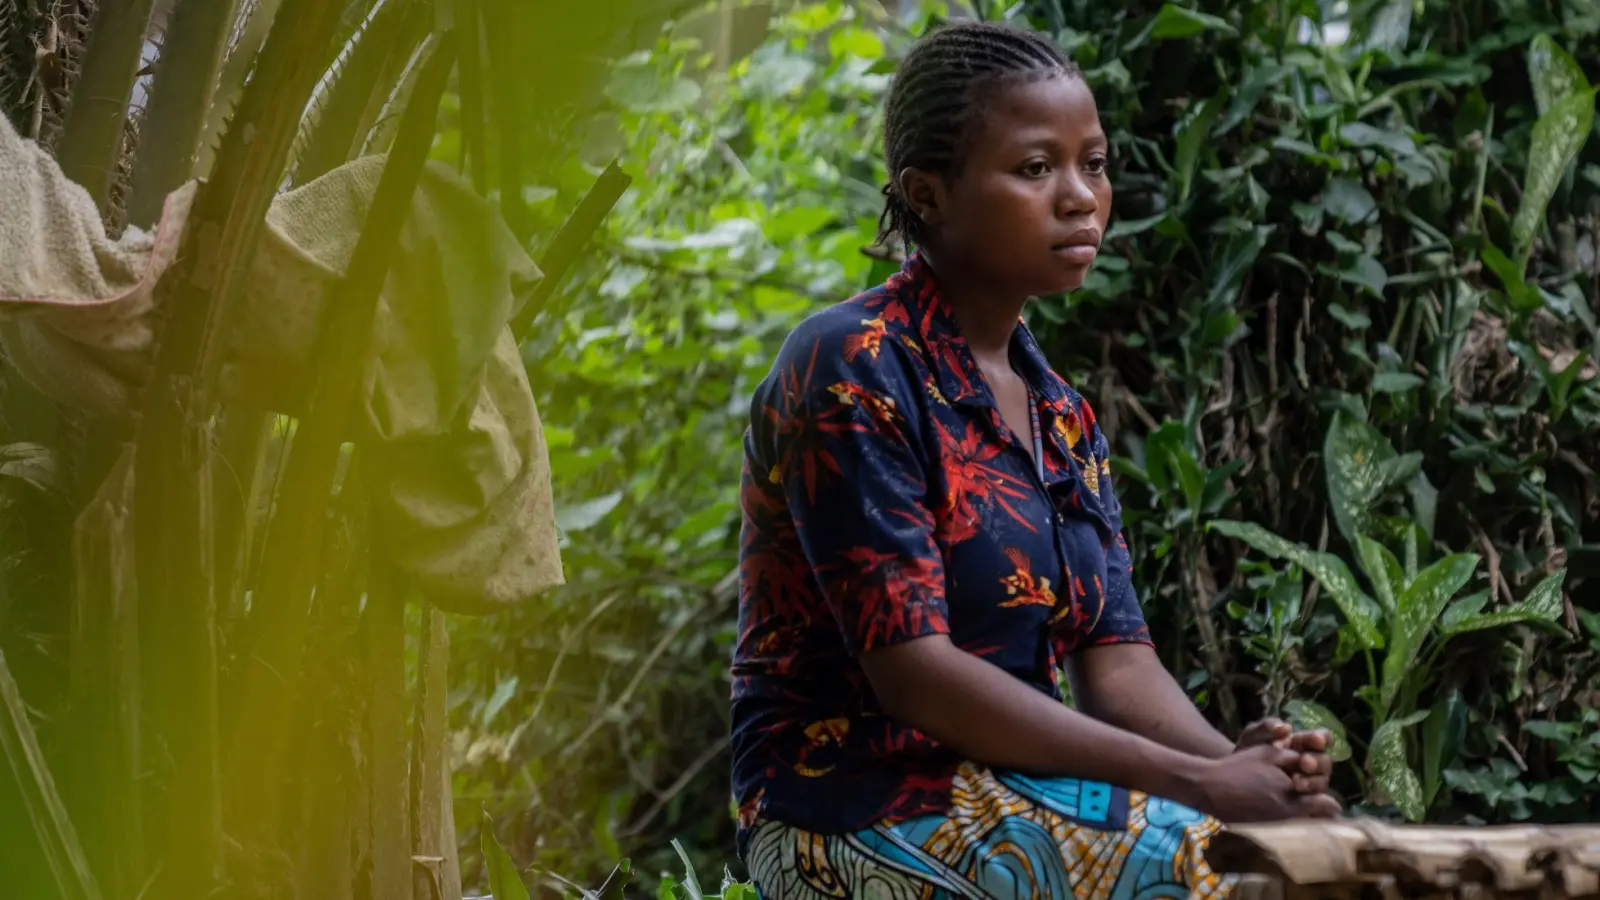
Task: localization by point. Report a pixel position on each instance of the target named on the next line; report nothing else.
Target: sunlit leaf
(1386, 760)
(1383, 570)
(855, 42)
(1554, 73)
(1353, 456)
(1543, 604)
(1417, 610)
(1361, 611)
(1306, 716)
(1557, 137)
(581, 516)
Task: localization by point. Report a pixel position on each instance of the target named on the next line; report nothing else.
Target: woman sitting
(930, 535)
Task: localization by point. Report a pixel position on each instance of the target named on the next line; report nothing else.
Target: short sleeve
(1121, 621)
(838, 433)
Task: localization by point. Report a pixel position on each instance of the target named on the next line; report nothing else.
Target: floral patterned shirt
(884, 499)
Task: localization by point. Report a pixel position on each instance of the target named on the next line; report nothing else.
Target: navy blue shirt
(885, 499)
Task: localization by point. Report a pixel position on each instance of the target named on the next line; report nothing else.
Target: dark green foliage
(1314, 283)
(1314, 272)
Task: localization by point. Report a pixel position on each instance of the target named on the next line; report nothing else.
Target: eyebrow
(1031, 139)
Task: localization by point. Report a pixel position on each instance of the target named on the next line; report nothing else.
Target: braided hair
(935, 103)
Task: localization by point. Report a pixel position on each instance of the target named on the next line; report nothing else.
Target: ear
(926, 194)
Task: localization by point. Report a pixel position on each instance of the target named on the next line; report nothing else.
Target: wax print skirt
(1006, 836)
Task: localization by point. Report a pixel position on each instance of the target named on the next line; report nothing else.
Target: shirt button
(1060, 519)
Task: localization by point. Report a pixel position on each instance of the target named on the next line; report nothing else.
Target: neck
(987, 318)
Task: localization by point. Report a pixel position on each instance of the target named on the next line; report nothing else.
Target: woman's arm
(990, 717)
(1125, 685)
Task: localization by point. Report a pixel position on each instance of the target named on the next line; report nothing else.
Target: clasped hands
(1274, 773)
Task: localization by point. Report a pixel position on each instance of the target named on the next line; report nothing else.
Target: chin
(1062, 282)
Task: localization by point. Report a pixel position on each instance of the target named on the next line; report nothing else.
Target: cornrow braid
(935, 101)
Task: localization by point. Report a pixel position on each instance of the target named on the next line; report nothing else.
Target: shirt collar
(960, 380)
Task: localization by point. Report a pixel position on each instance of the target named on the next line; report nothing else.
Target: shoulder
(865, 340)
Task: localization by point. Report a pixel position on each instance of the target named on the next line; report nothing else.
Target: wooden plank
(1354, 856)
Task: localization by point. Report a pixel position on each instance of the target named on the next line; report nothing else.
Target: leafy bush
(1345, 306)
(596, 724)
(1332, 251)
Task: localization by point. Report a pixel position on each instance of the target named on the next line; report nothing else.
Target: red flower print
(1022, 586)
(973, 482)
(867, 342)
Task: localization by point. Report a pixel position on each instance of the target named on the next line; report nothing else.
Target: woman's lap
(1008, 837)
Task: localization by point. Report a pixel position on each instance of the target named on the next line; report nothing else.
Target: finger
(1318, 806)
(1324, 764)
(1316, 741)
(1310, 784)
(1315, 763)
(1279, 757)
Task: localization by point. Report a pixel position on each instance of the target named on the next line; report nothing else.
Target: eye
(1036, 168)
(1097, 164)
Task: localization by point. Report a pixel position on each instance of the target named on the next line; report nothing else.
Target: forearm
(1126, 686)
(990, 717)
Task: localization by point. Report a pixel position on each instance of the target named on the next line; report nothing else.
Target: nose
(1074, 196)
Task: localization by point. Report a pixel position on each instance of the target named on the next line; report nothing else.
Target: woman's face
(1031, 203)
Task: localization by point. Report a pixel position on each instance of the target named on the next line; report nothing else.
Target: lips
(1081, 247)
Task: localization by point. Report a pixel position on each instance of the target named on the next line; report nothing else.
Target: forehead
(1059, 110)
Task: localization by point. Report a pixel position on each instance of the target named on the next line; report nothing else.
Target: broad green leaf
(1192, 137)
(1351, 319)
(1442, 732)
(855, 42)
(1361, 611)
(1386, 760)
(1238, 255)
(1557, 137)
(1390, 27)
(1424, 502)
(502, 695)
(505, 882)
(1365, 271)
(1462, 609)
(1554, 73)
(587, 514)
(1252, 87)
(1543, 604)
(1419, 607)
(1522, 294)
(1383, 570)
(1191, 478)
(1174, 21)
(1360, 134)
(1346, 200)
(1353, 458)
(1306, 716)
